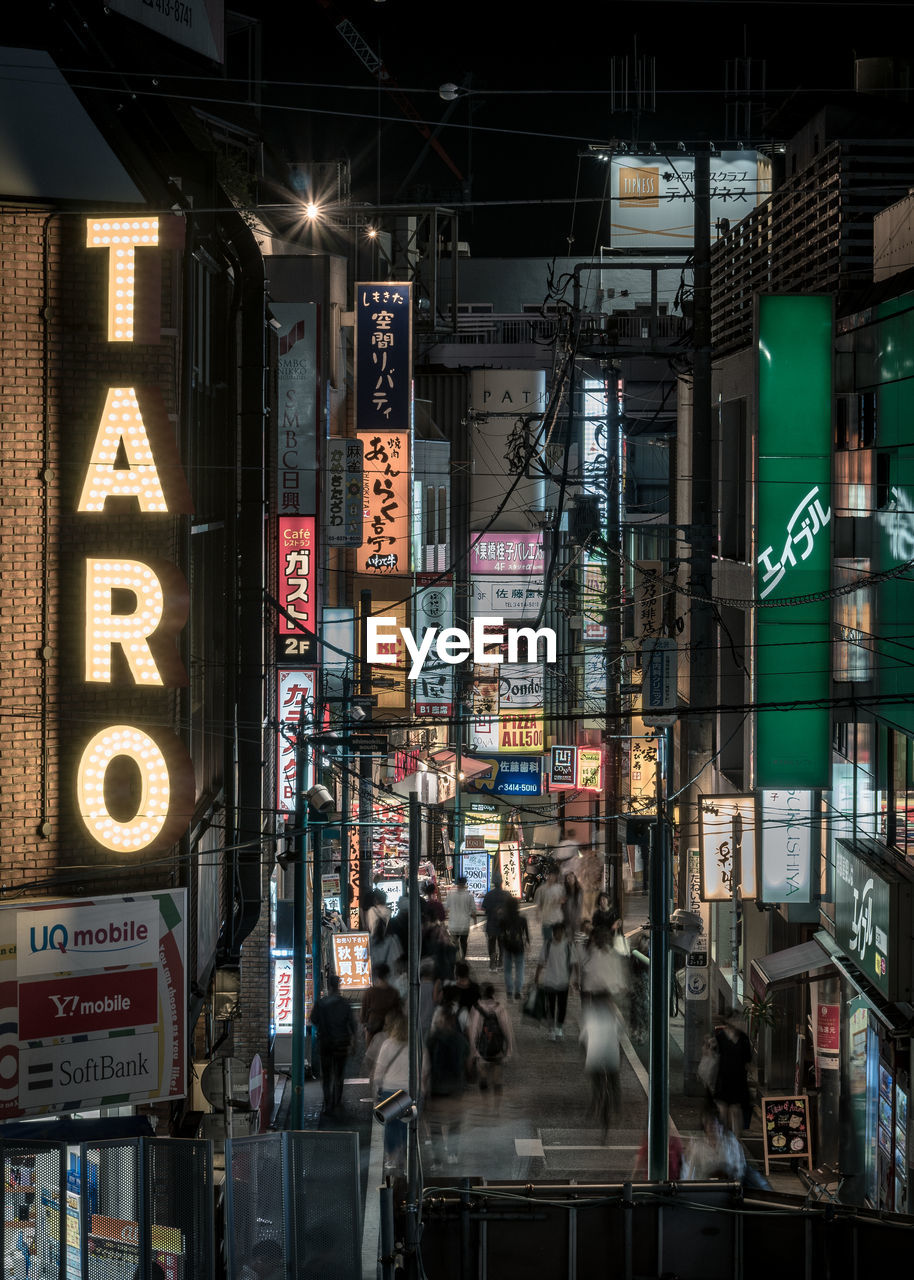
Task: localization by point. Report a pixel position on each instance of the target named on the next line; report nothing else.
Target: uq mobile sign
(134, 429)
(94, 1003)
(793, 564)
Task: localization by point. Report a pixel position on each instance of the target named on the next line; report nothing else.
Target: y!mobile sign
(94, 1002)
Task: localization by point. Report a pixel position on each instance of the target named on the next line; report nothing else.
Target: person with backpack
(491, 1041)
(555, 970)
(515, 935)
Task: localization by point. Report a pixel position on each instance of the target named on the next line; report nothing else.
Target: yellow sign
(522, 731)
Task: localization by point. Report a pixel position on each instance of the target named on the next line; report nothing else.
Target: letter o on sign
(166, 789)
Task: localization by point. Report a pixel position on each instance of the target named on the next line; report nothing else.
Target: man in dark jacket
(332, 1018)
(495, 904)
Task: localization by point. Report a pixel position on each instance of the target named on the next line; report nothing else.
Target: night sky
(539, 92)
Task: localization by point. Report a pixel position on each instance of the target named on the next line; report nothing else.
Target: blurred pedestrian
(604, 917)
(384, 945)
(555, 970)
(375, 909)
(571, 907)
(715, 1153)
(332, 1017)
(444, 1081)
(432, 906)
(391, 1072)
(731, 1093)
(430, 991)
(603, 971)
(549, 899)
(565, 854)
(602, 1059)
(675, 1154)
(514, 938)
(589, 873)
(493, 904)
(379, 1000)
(461, 914)
(461, 994)
(640, 996)
(491, 1042)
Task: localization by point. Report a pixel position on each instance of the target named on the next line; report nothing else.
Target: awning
(807, 962)
(447, 760)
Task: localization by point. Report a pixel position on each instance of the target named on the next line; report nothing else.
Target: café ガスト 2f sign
(134, 457)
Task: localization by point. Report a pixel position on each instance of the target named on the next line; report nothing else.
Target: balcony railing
(622, 329)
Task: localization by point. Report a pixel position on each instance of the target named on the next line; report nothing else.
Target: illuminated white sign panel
(786, 846)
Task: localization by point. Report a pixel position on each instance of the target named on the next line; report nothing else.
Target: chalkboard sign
(785, 1130)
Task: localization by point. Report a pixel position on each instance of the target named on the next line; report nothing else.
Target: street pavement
(540, 1128)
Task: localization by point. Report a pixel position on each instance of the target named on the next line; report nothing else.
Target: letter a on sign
(146, 444)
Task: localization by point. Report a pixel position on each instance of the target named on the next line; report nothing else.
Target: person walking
(555, 970)
(715, 1153)
(602, 1059)
(493, 904)
(571, 907)
(444, 1080)
(379, 1000)
(603, 971)
(549, 899)
(731, 1093)
(461, 914)
(514, 938)
(491, 1041)
(461, 994)
(332, 1017)
(391, 1072)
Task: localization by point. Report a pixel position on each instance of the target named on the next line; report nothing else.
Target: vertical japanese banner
(385, 504)
(297, 574)
(794, 558)
(297, 416)
(294, 687)
(433, 691)
(351, 961)
(343, 483)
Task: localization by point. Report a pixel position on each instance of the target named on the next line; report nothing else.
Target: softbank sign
(453, 645)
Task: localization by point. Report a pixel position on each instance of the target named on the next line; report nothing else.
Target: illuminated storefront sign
(521, 776)
(385, 503)
(873, 916)
(727, 826)
(297, 574)
(383, 357)
(563, 772)
(507, 553)
(590, 769)
(295, 696)
(509, 862)
(522, 731)
(786, 846)
(433, 689)
(520, 686)
(642, 770)
(134, 465)
(794, 561)
(351, 961)
(509, 597)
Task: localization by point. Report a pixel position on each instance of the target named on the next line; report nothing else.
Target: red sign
(255, 1082)
(828, 1028)
(297, 573)
(99, 1002)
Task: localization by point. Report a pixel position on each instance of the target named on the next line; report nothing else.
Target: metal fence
(140, 1209)
(293, 1201)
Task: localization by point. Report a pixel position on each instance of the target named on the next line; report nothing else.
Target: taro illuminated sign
(133, 465)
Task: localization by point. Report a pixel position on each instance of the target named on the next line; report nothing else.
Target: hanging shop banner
(793, 497)
(594, 602)
(295, 692)
(283, 986)
(433, 689)
(343, 487)
(507, 553)
(510, 776)
(521, 732)
(509, 864)
(383, 357)
(385, 504)
(506, 597)
(659, 667)
(484, 733)
(590, 769)
(786, 846)
(648, 598)
(96, 1003)
(873, 920)
(520, 686)
(297, 574)
(351, 961)
(296, 417)
(594, 677)
(697, 986)
(642, 771)
(563, 769)
(727, 827)
(595, 440)
(475, 866)
(389, 837)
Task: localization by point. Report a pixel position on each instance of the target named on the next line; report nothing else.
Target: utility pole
(365, 764)
(413, 1173)
(702, 671)
(658, 1111)
(299, 923)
